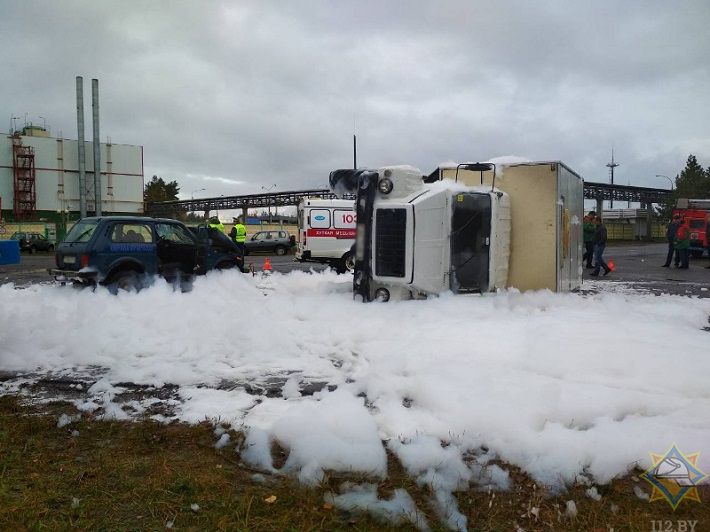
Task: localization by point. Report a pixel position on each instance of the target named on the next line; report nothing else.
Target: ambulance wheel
(346, 264)
(696, 254)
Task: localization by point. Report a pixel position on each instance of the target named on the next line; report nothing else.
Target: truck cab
(415, 239)
(696, 218)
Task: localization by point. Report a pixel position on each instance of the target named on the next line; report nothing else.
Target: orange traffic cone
(267, 265)
(611, 265)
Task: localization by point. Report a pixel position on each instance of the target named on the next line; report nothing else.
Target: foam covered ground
(561, 385)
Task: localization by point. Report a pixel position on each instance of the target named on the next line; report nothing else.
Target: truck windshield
(82, 231)
(697, 224)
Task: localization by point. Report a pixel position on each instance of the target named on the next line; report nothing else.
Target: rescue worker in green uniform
(216, 224)
(238, 234)
(682, 244)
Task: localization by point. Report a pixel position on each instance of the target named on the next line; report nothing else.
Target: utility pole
(611, 167)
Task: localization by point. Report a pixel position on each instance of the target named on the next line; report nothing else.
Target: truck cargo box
(546, 204)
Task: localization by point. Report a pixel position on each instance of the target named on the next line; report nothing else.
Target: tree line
(692, 182)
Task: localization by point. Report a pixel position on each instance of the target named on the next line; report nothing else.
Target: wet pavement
(639, 266)
(32, 269)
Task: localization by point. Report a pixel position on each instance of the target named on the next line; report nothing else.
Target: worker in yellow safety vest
(238, 234)
(216, 224)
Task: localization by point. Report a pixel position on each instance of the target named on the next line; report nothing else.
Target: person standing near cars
(682, 245)
(238, 234)
(671, 232)
(216, 224)
(599, 245)
(588, 231)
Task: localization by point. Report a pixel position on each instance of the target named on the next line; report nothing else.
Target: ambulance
(326, 232)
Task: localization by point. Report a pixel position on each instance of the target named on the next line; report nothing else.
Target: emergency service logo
(674, 476)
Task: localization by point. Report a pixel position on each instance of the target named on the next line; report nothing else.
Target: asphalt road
(32, 269)
(638, 265)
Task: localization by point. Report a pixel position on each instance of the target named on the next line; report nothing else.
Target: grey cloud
(232, 95)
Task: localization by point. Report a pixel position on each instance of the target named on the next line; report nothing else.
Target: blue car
(123, 251)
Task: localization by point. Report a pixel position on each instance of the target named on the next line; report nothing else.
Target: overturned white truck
(470, 228)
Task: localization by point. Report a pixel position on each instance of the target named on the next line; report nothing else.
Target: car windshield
(82, 231)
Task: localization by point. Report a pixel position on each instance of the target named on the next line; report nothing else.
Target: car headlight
(385, 185)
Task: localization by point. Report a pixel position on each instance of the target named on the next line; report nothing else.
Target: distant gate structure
(596, 191)
(249, 201)
(643, 195)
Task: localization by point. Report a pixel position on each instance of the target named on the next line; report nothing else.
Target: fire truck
(696, 218)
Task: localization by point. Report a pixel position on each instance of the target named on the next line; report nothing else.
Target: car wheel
(50, 248)
(696, 254)
(226, 265)
(126, 280)
(280, 250)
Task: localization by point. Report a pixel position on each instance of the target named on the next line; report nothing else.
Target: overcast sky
(233, 96)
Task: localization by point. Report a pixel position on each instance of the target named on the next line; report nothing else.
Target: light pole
(267, 189)
(192, 196)
(668, 178)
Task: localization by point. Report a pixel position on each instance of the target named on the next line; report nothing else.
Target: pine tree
(158, 190)
(693, 181)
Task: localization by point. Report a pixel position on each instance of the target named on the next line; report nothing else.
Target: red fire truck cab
(696, 218)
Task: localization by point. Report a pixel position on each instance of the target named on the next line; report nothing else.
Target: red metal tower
(23, 166)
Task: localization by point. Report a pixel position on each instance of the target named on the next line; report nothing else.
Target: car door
(126, 241)
(177, 250)
(269, 241)
(258, 241)
(42, 243)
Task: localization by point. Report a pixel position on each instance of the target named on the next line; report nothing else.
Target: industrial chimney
(82, 150)
(97, 144)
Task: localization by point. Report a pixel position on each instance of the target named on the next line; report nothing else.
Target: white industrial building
(39, 176)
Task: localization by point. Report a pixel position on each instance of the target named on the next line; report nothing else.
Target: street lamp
(668, 178)
(192, 197)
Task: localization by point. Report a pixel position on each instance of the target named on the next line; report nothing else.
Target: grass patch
(145, 475)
